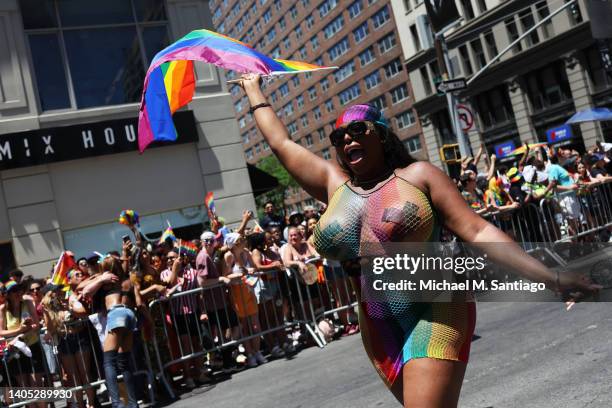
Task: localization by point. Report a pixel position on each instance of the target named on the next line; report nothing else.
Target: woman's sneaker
(260, 358)
(251, 361)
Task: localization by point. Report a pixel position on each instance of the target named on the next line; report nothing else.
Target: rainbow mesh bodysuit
(397, 330)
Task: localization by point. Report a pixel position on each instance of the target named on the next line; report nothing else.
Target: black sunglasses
(354, 129)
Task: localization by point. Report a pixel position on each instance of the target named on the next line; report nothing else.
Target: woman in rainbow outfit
(378, 193)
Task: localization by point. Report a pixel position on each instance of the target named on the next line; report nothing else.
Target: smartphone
(125, 238)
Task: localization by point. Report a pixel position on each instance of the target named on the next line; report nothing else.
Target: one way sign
(452, 85)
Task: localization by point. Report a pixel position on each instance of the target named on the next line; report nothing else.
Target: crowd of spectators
(246, 285)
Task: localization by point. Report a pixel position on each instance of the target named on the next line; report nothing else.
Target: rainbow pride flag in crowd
(188, 248)
(65, 264)
(170, 82)
(168, 234)
(209, 201)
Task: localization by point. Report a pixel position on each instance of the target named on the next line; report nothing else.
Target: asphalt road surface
(525, 355)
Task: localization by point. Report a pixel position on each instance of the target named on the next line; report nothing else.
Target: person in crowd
(295, 219)
(238, 267)
(268, 264)
(561, 181)
(598, 167)
(471, 195)
(82, 265)
(221, 317)
(104, 289)
(376, 173)
(270, 218)
(185, 315)
(309, 212)
(16, 275)
(18, 317)
(71, 336)
(310, 224)
(277, 236)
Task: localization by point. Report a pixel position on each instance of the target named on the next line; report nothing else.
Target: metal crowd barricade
(55, 358)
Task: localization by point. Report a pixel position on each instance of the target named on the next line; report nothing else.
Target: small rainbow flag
(65, 264)
(168, 234)
(209, 201)
(129, 218)
(170, 82)
(188, 247)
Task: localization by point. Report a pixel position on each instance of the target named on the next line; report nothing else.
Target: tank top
(396, 211)
(14, 322)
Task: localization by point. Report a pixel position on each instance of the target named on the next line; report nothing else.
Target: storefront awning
(261, 182)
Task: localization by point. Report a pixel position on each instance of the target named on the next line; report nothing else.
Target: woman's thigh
(430, 383)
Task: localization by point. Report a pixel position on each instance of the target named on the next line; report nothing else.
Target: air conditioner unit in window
(425, 32)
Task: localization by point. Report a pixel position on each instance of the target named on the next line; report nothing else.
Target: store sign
(57, 144)
(504, 149)
(559, 134)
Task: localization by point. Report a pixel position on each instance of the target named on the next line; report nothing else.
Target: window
(372, 80)
(399, 94)
(413, 144)
(494, 107)
(479, 55)
(257, 148)
(380, 102)
(309, 21)
(490, 43)
(405, 119)
(386, 43)
(292, 128)
(381, 17)
(317, 113)
(465, 60)
(340, 48)
(282, 23)
(349, 94)
(308, 139)
(267, 16)
(321, 133)
(305, 3)
(249, 154)
(366, 57)
(318, 61)
(288, 109)
(113, 32)
(242, 122)
(548, 87)
(295, 80)
(344, 71)
(468, 10)
(300, 101)
(284, 90)
(293, 12)
(326, 7)
(329, 105)
(360, 32)
(217, 13)
(543, 12)
(312, 93)
(278, 5)
(325, 153)
(513, 33)
(527, 21)
(303, 52)
(238, 106)
(407, 6)
(414, 34)
(314, 43)
(425, 80)
(273, 96)
(304, 120)
(271, 34)
(575, 14)
(298, 32)
(266, 146)
(354, 9)
(287, 43)
(393, 68)
(333, 27)
(275, 53)
(245, 138)
(482, 5)
(324, 84)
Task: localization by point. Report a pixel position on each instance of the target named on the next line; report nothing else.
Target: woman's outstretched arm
(316, 175)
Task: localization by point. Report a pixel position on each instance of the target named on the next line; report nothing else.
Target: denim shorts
(120, 316)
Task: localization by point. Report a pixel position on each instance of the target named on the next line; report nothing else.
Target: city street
(525, 355)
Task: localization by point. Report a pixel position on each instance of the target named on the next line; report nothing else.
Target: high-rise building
(526, 96)
(360, 37)
(71, 77)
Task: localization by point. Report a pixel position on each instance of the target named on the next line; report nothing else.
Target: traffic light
(450, 153)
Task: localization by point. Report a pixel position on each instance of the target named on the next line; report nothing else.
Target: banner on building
(442, 14)
(504, 149)
(559, 134)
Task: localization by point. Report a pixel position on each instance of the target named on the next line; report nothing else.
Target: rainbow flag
(168, 234)
(65, 264)
(189, 248)
(532, 146)
(170, 83)
(209, 201)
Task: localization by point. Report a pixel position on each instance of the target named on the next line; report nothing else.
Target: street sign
(452, 85)
(466, 117)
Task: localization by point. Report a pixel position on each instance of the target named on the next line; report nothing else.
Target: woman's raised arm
(316, 175)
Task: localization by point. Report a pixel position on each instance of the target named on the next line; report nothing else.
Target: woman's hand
(575, 286)
(250, 82)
